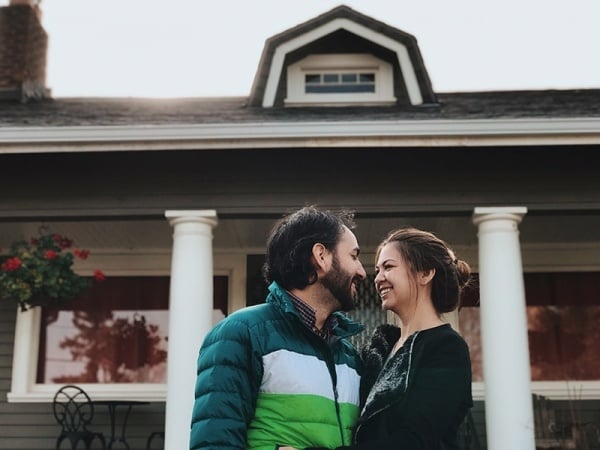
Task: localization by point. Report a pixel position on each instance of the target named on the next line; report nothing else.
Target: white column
(190, 316)
(506, 371)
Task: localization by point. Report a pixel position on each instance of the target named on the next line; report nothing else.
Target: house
(175, 199)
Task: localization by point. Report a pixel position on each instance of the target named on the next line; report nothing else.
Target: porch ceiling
(230, 234)
(249, 235)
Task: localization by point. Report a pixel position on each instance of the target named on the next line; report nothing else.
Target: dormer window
(340, 80)
(341, 58)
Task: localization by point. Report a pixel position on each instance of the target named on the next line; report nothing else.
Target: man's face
(346, 271)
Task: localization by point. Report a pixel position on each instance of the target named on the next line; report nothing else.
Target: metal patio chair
(74, 412)
(153, 436)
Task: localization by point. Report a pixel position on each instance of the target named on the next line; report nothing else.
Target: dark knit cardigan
(419, 398)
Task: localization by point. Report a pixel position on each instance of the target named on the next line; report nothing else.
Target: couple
(283, 374)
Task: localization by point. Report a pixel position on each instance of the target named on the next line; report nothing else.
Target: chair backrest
(73, 408)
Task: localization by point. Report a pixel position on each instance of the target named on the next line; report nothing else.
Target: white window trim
(406, 66)
(555, 390)
(384, 80)
(24, 389)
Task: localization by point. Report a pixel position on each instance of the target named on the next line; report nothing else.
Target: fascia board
(421, 133)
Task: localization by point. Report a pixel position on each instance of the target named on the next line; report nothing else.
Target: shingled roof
(223, 111)
(138, 111)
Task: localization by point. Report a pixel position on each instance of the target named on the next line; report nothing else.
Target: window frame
(321, 64)
(323, 83)
(24, 388)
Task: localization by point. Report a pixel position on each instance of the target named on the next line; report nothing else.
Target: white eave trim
(399, 133)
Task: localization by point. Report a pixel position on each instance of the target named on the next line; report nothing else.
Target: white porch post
(506, 370)
(190, 316)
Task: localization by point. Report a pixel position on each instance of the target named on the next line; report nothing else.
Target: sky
(200, 48)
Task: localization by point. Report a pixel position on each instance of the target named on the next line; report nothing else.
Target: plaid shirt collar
(308, 316)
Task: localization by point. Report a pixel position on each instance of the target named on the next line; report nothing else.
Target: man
(283, 372)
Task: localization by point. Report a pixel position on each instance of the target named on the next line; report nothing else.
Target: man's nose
(362, 273)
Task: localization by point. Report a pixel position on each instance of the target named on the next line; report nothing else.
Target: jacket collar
(279, 297)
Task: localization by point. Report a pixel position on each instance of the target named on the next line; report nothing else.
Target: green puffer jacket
(264, 379)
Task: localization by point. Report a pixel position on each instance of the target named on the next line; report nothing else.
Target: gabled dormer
(341, 58)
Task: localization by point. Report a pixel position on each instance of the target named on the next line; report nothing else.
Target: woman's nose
(378, 278)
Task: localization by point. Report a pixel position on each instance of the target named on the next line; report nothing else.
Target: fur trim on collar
(375, 354)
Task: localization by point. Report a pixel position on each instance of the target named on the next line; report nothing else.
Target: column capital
(207, 216)
(485, 213)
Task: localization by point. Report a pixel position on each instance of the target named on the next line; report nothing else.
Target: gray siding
(22, 425)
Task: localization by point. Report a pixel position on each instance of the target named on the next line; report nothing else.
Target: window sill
(125, 391)
(555, 390)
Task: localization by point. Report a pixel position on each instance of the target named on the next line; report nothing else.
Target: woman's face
(394, 280)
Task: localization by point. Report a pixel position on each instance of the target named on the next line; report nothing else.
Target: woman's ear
(425, 276)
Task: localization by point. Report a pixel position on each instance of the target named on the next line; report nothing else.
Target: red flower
(82, 254)
(99, 276)
(50, 254)
(11, 264)
(62, 241)
(41, 267)
(65, 243)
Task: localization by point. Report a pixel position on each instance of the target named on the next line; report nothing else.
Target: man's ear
(320, 255)
(425, 276)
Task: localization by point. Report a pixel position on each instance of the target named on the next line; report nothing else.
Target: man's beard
(339, 283)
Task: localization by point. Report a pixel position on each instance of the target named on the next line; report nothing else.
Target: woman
(416, 386)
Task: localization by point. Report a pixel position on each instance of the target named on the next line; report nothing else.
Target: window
(340, 79)
(29, 377)
(116, 333)
(562, 312)
(345, 82)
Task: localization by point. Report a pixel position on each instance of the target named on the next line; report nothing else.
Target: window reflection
(124, 347)
(562, 317)
(117, 333)
(563, 342)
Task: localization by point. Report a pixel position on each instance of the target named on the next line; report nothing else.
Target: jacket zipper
(333, 375)
(329, 362)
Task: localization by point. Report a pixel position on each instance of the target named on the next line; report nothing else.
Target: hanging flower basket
(39, 272)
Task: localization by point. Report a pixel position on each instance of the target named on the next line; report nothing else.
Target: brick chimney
(23, 49)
